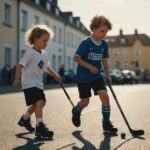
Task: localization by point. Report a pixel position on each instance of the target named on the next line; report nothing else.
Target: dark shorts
(33, 95)
(85, 88)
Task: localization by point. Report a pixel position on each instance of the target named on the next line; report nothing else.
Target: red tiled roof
(128, 40)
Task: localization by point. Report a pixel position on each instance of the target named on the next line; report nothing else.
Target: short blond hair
(100, 20)
(36, 31)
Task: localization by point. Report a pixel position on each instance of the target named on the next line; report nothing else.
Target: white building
(68, 30)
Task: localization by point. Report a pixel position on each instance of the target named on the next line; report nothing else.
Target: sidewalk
(11, 89)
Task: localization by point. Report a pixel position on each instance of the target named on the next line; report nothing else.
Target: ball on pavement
(123, 135)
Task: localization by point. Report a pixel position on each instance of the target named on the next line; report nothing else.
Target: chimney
(121, 32)
(136, 32)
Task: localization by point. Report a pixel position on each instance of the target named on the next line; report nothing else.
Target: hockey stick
(133, 132)
(66, 94)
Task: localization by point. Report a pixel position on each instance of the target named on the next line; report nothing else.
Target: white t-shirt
(34, 62)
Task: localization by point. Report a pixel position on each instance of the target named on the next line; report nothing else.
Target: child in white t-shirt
(31, 68)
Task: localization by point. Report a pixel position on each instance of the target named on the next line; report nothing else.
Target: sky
(127, 15)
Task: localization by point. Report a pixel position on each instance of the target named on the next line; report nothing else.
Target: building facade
(16, 16)
(129, 51)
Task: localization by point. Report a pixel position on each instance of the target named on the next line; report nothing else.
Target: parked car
(69, 76)
(116, 76)
(129, 77)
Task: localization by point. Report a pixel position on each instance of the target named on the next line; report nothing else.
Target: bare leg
(84, 102)
(39, 108)
(31, 109)
(103, 95)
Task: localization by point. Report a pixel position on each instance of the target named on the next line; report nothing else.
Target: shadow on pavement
(32, 144)
(105, 144)
(87, 145)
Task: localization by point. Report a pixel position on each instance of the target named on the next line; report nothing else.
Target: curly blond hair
(100, 20)
(36, 31)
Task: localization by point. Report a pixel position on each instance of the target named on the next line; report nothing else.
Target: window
(57, 11)
(55, 32)
(48, 6)
(74, 65)
(59, 61)
(125, 64)
(69, 63)
(77, 43)
(24, 20)
(116, 64)
(124, 53)
(60, 35)
(79, 39)
(71, 19)
(47, 23)
(68, 41)
(8, 52)
(36, 19)
(37, 1)
(78, 23)
(54, 62)
(122, 41)
(72, 39)
(137, 52)
(137, 64)
(116, 53)
(7, 14)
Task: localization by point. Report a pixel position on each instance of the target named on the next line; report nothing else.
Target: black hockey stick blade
(137, 133)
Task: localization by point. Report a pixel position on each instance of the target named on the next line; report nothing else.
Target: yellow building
(8, 32)
(129, 51)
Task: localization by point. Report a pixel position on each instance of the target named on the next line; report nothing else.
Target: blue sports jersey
(93, 54)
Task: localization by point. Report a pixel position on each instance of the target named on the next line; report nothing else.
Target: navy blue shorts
(33, 95)
(85, 88)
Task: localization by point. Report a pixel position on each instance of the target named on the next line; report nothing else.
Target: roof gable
(128, 40)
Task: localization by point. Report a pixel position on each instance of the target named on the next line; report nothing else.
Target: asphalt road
(134, 100)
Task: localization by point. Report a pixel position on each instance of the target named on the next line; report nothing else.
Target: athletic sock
(78, 107)
(38, 120)
(26, 116)
(106, 113)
